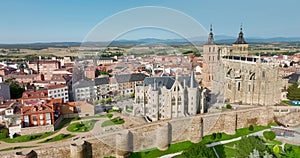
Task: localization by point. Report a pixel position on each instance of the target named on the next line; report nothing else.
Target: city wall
(157, 135)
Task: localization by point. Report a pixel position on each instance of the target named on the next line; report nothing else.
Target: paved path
(171, 155)
(259, 133)
(97, 130)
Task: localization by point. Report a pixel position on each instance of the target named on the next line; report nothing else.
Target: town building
(58, 91)
(44, 67)
(91, 89)
(126, 82)
(37, 115)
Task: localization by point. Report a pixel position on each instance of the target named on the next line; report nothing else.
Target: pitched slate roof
(83, 84)
(168, 81)
(160, 81)
(101, 80)
(130, 77)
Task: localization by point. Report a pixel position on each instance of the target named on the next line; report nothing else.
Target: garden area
(156, 153)
(57, 138)
(215, 137)
(82, 126)
(115, 121)
(257, 147)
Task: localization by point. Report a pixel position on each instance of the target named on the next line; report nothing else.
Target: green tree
(251, 128)
(109, 115)
(102, 101)
(108, 100)
(213, 136)
(132, 95)
(247, 144)
(276, 149)
(270, 135)
(228, 106)
(16, 90)
(219, 135)
(293, 92)
(199, 150)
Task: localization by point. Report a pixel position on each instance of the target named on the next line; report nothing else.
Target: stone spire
(240, 39)
(192, 79)
(155, 85)
(211, 37)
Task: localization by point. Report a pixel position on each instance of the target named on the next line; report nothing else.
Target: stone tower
(210, 60)
(240, 47)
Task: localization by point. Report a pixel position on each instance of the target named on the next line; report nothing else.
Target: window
(48, 116)
(173, 101)
(34, 117)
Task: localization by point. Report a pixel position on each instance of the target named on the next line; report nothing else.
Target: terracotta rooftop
(56, 86)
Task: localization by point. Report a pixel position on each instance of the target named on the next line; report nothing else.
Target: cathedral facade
(238, 77)
(167, 97)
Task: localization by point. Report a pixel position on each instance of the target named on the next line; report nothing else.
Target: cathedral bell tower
(210, 60)
(240, 46)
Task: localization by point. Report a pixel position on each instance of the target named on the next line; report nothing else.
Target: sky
(72, 21)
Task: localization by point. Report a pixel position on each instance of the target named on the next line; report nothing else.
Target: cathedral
(236, 77)
(167, 97)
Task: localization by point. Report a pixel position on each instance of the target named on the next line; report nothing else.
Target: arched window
(173, 100)
(179, 100)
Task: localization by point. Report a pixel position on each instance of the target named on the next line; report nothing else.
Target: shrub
(228, 106)
(219, 135)
(102, 101)
(251, 128)
(109, 116)
(270, 135)
(213, 136)
(276, 149)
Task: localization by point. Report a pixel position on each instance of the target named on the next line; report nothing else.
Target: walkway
(95, 131)
(259, 133)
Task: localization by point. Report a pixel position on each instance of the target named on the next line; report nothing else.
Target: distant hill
(195, 40)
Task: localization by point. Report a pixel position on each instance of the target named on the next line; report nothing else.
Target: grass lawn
(27, 138)
(83, 126)
(112, 110)
(228, 152)
(292, 150)
(115, 121)
(58, 138)
(240, 132)
(156, 153)
(17, 147)
(286, 102)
